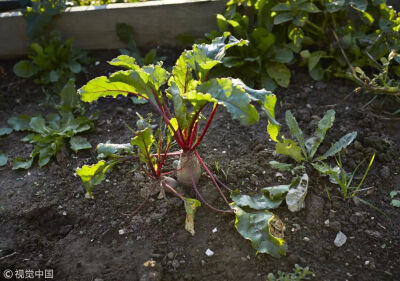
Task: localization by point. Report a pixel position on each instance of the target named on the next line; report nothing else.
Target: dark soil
(46, 223)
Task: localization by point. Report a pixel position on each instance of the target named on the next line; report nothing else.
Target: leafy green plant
(320, 35)
(191, 89)
(299, 273)
(383, 82)
(50, 135)
(52, 62)
(39, 14)
(304, 150)
(100, 2)
(395, 202)
(125, 33)
(3, 156)
(339, 176)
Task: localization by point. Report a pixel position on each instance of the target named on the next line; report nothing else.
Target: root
(202, 198)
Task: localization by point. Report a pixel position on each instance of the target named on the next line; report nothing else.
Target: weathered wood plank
(155, 23)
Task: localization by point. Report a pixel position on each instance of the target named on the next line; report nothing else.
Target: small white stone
(223, 152)
(340, 239)
(326, 222)
(367, 262)
(64, 213)
(121, 231)
(209, 253)
(214, 230)
(306, 239)
(97, 63)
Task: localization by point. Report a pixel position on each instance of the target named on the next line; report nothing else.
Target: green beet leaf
(233, 98)
(256, 202)
(144, 139)
(263, 229)
(191, 206)
(92, 175)
(277, 192)
(102, 87)
(124, 61)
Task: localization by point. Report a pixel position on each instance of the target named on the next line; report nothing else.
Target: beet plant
(187, 100)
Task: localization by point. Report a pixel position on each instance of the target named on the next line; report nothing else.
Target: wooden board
(93, 27)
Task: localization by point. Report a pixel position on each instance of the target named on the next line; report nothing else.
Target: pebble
(306, 239)
(171, 255)
(385, 172)
(340, 239)
(209, 252)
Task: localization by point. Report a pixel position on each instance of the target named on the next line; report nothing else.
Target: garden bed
(93, 27)
(46, 223)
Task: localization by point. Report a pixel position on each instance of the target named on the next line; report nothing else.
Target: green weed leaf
(323, 126)
(78, 143)
(290, 148)
(5, 131)
(280, 166)
(295, 131)
(105, 150)
(279, 72)
(20, 163)
(3, 159)
(339, 145)
(25, 69)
